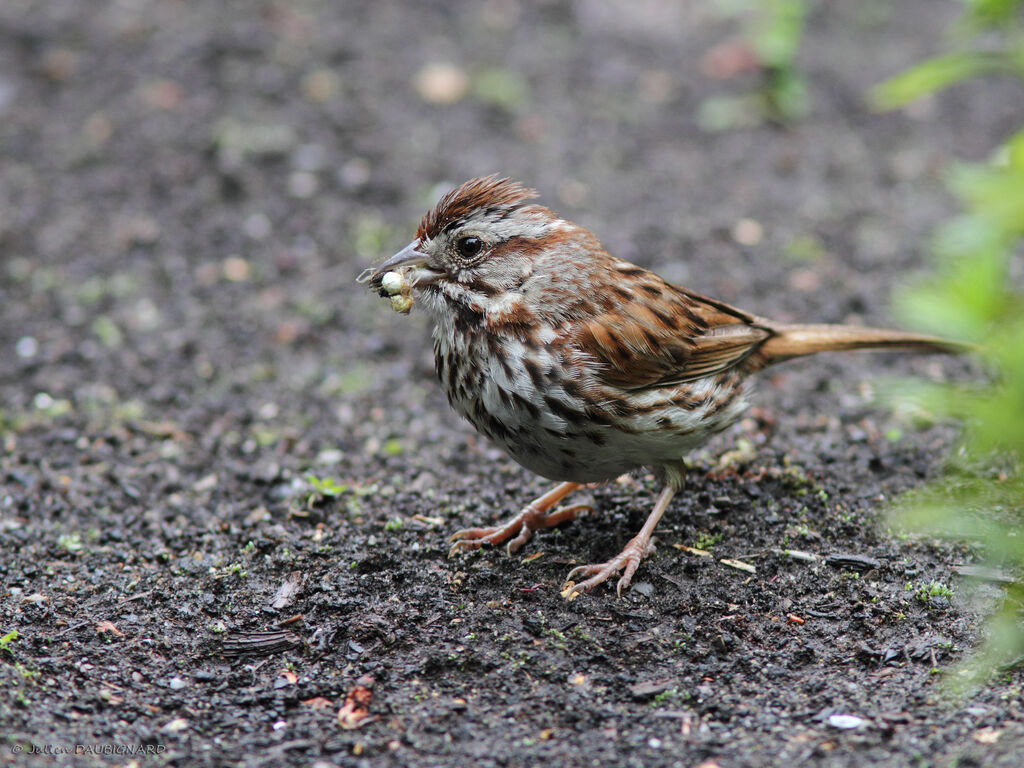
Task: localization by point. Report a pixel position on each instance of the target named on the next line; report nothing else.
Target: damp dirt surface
(187, 193)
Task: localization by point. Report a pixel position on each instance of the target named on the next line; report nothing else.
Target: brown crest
(487, 195)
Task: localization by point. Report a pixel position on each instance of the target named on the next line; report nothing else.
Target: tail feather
(789, 341)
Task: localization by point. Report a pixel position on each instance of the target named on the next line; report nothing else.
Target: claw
(520, 528)
(472, 539)
(627, 561)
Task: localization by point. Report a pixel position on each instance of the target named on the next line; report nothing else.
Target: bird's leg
(627, 560)
(518, 530)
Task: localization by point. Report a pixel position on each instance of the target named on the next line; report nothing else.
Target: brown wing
(656, 334)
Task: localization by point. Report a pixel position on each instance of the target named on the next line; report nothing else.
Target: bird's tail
(789, 341)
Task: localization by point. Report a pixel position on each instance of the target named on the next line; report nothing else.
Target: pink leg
(520, 528)
(626, 561)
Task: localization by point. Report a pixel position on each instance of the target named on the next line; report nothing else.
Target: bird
(580, 365)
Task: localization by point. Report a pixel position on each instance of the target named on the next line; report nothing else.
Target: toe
(470, 534)
(514, 545)
(627, 576)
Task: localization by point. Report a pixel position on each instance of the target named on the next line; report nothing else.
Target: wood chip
(738, 565)
(287, 591)
(106, 626)
(796, 554)
(259, 643)
(354, 713)
(647, 688)
(986, 735)
(692, 550)
(318, 702)
(569, 591)
(160, 429)
(205, 484)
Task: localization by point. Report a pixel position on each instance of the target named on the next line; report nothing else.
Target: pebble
(26, 347)
(846, 722)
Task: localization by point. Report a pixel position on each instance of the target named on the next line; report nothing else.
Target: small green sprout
(70, 542)
(706, 540)
(236, 569)
(326, 486)
(6, 640)
(665, 696)
(926, 592)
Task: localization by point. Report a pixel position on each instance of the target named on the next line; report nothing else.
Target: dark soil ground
(187, 192)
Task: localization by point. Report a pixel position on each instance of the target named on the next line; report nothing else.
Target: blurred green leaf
(996, 194)
(773, 31)
(776, 37)
(786, 96)
(974, 295)
(502, 88)
(726, 113)
(1015, 151)
(932, 75)
(987, 13)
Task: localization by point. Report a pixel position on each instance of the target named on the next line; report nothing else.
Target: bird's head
(480, 240)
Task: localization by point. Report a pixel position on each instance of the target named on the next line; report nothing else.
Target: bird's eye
(469, 247)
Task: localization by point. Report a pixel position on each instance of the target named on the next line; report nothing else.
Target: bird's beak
(407, 257)
(417, 272)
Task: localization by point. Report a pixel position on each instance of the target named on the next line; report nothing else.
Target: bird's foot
(516, 531)
(627, 561)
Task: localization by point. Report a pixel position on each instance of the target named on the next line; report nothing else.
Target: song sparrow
(581, 365)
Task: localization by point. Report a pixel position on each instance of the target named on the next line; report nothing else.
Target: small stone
(236, 269)
(176, 725)
(257, 226)
(441, 83)
(302, 184)
(163, 94)
(747, 232)
(26, 347)
(354, 173)
(320, 85)
(846, 722)
(310, 157)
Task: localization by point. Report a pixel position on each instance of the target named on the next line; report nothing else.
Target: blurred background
(188, 191)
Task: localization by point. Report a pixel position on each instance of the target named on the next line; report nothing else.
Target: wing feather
(663, 335)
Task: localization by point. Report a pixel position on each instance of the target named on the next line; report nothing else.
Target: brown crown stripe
(489, 194)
